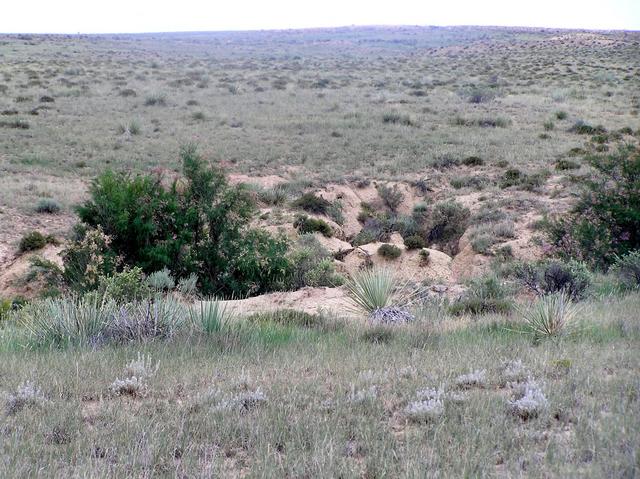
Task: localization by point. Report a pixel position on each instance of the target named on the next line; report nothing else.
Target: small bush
(48, 206)
(47, 99)
(449, 221)
(582, 128)
(398, 118)
(548, 125)
(306, 224)
(564, 165)
(311, 265)
(561, 115)
(311, 203)
(415, 242)
(473, 161)
(552, 276)
(159, 99)
(485, 295)
(627, 269)
(378, 334)
(124, 287)
(392, 196)
(33, 241)
(128, 92)
(445, 161)
(160, 280)
(389, 251)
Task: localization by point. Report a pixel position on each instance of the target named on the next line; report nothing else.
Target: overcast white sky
(106, 16)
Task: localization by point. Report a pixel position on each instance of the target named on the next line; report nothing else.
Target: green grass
(335, 403)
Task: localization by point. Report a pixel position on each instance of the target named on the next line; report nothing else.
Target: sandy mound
(408, 266)
(12, 275)
(309, 300)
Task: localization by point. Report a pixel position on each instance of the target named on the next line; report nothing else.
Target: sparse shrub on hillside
(160, 280)
(605, 221)
(553, 276)
(49, 206)
(128, 92)
(35, 240)
(389, 251)
(307, 224)
(311, 203)
(469, 181)
(391, 195)
(414, 242)
(449, 221)
(548, 125)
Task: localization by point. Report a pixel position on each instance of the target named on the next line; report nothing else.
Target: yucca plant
(62, 321)
(211, 316)
(551, 315)
(371, 289)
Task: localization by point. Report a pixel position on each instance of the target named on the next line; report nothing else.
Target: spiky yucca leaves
(551, 315)
(62, 321)
(211, 316)
(371, 289)
(378, 289)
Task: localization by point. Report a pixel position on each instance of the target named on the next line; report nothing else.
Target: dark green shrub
(49, 206)
(582, 128)
(561, 115)
(552, 276)
(389, 251)
(473, 161)
(197, 225)
(392, 196)
(311, 203)
(605, 221)
(511, 177)
(563, 165)
(415, 242)
(548, 125)
(32, 241)
(306, 224)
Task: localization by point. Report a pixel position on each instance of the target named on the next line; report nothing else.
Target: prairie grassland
(331, 401)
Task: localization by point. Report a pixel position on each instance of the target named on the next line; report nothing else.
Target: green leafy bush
(605, 222)
(415, 242)
(306, 224)
(311, 203)
(197, 225)
(125, 286)
(389, 251)
(35, 240)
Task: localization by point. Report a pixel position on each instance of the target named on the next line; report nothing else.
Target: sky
(132, 16)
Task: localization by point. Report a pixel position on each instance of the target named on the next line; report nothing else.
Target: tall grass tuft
(551, 315)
